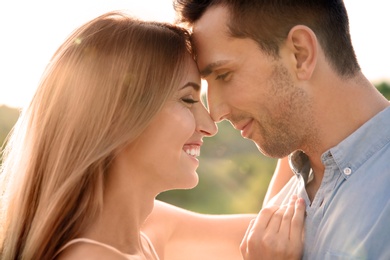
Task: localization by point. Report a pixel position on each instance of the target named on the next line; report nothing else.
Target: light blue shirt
(349, 217)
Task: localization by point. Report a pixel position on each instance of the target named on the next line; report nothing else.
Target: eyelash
(189, 100)
(222, 76)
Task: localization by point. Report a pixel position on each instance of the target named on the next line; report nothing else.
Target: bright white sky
(31, 31)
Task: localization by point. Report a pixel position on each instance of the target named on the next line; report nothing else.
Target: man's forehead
(209, 35)
(213, 19)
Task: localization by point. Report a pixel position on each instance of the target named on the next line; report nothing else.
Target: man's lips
(245, 132)
(244, 127)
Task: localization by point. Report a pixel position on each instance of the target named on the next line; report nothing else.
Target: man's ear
(302, 41)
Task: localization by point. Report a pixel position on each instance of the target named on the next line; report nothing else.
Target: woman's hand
(276, 233)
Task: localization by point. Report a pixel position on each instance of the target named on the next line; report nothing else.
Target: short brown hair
(268, 22)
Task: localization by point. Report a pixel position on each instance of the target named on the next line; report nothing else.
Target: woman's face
(164, 156)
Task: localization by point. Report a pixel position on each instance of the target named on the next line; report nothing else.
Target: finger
(284, 230)
(248, 230)
(263, 218)
(243, 245)
(298, 220)
(275, 222)
(249, 227)
(256, 230)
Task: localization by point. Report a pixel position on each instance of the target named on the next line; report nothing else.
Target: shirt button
(347, 171)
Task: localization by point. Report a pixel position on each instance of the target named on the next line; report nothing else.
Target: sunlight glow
(33, 30)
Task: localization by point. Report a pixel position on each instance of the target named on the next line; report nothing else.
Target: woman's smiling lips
(192, 150)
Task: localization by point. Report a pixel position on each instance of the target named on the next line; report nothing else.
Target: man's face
(254, 91)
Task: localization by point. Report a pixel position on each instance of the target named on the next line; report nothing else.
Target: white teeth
(193, 152)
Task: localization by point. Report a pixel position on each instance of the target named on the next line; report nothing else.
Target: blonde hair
(99, 92)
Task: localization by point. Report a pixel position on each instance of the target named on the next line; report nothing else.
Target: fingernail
(300, 201)
(293, 199)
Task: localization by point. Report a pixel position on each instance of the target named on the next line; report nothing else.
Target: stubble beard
(282, 130)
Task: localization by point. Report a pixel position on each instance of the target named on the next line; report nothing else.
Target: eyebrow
(192, 84)
(209, 68)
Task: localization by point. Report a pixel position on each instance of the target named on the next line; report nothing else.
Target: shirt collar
(357, 148)
(300, 164)
(353, 151)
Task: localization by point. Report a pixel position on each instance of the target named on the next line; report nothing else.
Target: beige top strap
(90, 241)
(152, 249)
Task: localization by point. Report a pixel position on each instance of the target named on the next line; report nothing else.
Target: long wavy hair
(100, 90)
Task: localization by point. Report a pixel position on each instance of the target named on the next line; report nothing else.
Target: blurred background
(234, 175)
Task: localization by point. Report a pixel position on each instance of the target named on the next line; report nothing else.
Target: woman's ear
(303, 43)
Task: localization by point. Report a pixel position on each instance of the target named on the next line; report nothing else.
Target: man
(285, 74)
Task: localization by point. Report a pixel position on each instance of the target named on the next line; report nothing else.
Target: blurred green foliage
(384, 88)
(8, 117)
(233, 174)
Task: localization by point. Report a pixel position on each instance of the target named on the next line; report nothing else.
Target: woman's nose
(204, 123)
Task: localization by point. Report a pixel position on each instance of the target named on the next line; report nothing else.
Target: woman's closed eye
(189, 100)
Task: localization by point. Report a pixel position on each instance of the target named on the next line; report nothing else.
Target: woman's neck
(126, 205)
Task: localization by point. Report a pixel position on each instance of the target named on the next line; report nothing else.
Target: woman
(116, 120)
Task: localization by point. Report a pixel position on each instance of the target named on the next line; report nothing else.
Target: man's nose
(218, 108)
